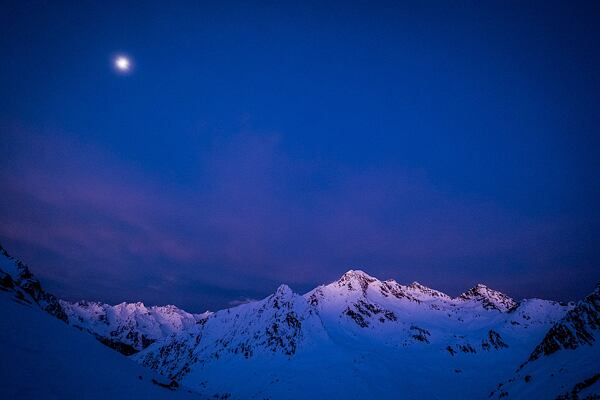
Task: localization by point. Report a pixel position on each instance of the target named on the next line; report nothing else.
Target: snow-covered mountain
(566, 363)
(128, 327)
(490, 299)
(357, 337)
(43, 358)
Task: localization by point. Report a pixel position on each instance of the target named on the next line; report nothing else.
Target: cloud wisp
(251, 218)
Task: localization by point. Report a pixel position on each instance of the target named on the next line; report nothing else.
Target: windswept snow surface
(357, 338)
(41, 357)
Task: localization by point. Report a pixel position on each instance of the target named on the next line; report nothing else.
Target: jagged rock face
(369, 302)
(489, 298)
(494, 341)
(578, 391)
(355, 280)
(16, 277)
(416, 287)
(276, 326)
(577, 328)
(363, 309)
(566, 362)
(393, 288)
(129, 327)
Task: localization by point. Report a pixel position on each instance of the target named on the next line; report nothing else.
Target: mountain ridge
(570, 350)
(397, 322)
(378, 330)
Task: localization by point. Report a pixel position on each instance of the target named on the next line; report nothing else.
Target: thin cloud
(238, 302)
(241, 226)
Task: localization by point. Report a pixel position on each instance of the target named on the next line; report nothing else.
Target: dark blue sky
(260, 143)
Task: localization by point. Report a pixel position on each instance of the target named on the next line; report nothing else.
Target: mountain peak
(490, 298)
(283, 294)
(131, 307)
(284, 291)
(355, 279)
(357, 273)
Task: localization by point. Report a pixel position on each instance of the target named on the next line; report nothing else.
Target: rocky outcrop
(489, 298)
(576, 329)
(276, 325)
(15, 277)
(565, 363)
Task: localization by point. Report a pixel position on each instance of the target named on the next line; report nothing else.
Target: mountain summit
(489, 298)
(351, 338)
(361, 323)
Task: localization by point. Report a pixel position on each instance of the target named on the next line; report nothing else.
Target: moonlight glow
(122, 63)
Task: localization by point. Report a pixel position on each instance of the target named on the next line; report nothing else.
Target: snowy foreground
(43, 358)
(355, 338)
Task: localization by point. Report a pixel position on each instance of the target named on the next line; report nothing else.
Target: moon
(122, 63)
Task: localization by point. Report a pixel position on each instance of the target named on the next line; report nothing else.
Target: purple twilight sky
(253, 145)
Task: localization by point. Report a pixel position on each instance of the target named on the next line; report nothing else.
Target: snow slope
(566, 363)
(357, 337)
(126, 327)
(41, 357)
